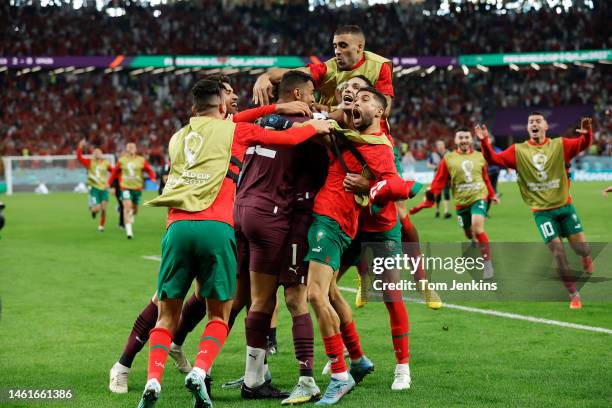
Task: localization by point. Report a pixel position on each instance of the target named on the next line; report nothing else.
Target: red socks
(398, 319)
(351, 340)
(483, 245)
(159, 342)
(335, 351)
(102, 218)
(212, 340)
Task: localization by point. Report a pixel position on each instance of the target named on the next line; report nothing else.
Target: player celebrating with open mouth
(336, 214)
(541, 164)
(465, 170)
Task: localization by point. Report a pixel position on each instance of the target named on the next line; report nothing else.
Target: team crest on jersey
(539, 161)
(320, 235)
(467, 166)
(193, 144)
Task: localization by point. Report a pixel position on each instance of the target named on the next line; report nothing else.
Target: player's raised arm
(79, 152)
(572, 147)
(506, 158)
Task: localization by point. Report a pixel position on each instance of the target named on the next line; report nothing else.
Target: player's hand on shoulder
(323, 127)
(263, 90)
(293, 108)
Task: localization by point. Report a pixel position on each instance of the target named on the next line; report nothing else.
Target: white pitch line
(507, 315)
(152, 257)
(488, 312)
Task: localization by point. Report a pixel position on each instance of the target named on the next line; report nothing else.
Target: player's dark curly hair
(219, 78)
(206, 94)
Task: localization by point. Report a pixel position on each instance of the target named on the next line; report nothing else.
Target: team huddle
(286, 194)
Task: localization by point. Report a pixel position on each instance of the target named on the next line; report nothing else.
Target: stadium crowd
(44, 113)
(393, 30)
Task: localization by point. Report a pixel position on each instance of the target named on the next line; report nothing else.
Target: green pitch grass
(70, 295)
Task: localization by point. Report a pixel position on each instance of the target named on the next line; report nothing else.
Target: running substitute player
(541, 164)
(97, 173)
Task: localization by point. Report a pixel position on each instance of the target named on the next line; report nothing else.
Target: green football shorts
(96, 196)
(384, 244)
(326, 242)
(202, 250)
(132, 195)
(464, 215)
(559, 222)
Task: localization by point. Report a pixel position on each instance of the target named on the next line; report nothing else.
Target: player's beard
(365, 123)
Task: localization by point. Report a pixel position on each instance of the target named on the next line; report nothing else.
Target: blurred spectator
(44, 113)
(209, 28)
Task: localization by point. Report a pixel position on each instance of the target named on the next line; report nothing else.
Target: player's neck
(373, 129)
(538, 141)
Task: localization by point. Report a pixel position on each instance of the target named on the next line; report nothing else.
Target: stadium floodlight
(482, 68)
(430, 69)
(559, 65)
(2, 69)
(410, 70)
(56, 173)
(584, 64)
(78, 71)
(449, 68)
(36, 69)
(69, 69)
(137, 72)
(59, 71)
(158, 71)
(535, 66)
(257, 71)
(605, 62)
(397, 68)
(90, 68)
(465, 69)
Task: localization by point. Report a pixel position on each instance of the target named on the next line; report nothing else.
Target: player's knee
(316, 296)
(263, 304)
(295, 298)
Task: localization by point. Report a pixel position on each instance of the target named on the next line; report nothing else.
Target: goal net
(45, 173)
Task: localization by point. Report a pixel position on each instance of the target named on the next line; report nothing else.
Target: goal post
(56, 173)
